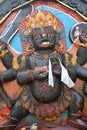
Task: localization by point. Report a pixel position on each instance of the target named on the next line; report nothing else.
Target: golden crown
(41, 18)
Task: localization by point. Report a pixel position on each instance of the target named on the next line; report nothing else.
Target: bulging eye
(49, 34)
(37, 37)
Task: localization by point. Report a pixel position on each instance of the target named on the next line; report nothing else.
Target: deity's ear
(60, 38)
(59, 33)
(26, 37)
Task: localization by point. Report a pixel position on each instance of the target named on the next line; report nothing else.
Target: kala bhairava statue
(46, 72)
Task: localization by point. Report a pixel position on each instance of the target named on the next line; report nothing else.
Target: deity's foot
(77, 122)
(9, 123)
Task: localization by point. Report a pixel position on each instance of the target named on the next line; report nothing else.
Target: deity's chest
(37, 62)
(41, 63)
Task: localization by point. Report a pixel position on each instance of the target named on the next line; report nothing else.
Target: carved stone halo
(77, 29)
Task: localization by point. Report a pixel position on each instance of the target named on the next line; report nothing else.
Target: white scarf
(65, 78)
(50, 76)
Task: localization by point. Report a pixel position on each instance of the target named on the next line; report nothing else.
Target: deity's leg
(16, 114)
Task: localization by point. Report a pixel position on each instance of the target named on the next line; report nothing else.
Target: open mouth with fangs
(45, 44)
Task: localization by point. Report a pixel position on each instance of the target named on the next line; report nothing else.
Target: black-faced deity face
(83, 37)
(43, 38)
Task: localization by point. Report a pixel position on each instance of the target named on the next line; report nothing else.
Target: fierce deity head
(41, 30)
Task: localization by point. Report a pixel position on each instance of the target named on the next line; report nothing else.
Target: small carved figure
(79, 33)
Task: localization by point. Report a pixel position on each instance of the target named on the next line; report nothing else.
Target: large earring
(60, 45)
(28, 49)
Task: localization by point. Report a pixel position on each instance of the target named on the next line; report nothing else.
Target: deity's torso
(41, 89)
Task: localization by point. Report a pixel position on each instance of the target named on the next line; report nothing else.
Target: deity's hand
(56, 68)
(40, 74)
(28, 76)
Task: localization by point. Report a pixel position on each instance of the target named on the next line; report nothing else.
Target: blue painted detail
(16, 43)
(67, 20)
(63, 115)
(24, 38)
